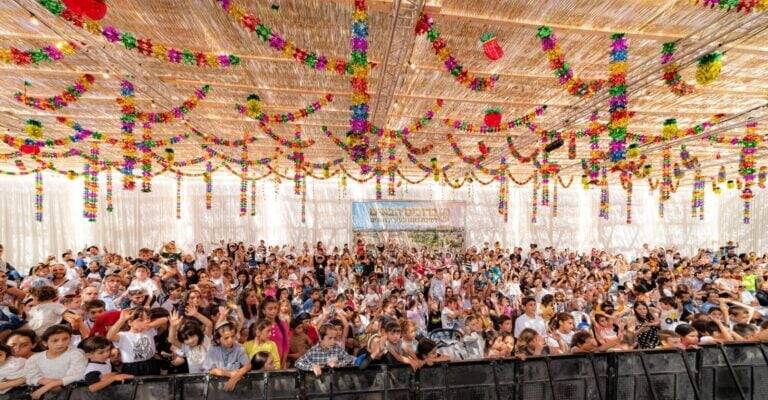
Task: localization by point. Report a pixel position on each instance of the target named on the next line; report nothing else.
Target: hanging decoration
(304, 200)
(666, 179)
(595, 155)
(253, 109)
(426, 25)
(671, 71)
(628, 189)
(208, 179)
(617, 127)
(70, 95)
(253, 198)
(534, 200)
(503, 190)
(38, 196)
(697, 196)
(491, 46)
(358, 122)
(33, 128)
(721, 174)
(493, 118)
(178, 112)
(110, 206)
(179, 177)
(708, 69)
(392, 163)
(747, 165)
(91, 184)
(554, 199)
(670, 130)
(761, 177)
(243, 177)
(501, 127)
(562, 69)
(143, 46)
(604, 200)
(91, 9)
(745, 6)
(311, 59)
(128, 122)
(50, 53)
(146, 159)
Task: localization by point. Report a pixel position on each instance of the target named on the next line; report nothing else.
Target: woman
(647, 326)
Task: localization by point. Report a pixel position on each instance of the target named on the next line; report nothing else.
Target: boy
(45, 311)
(98, 372)
(227, 358)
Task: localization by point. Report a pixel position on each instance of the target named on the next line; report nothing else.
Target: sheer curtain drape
(148, 219)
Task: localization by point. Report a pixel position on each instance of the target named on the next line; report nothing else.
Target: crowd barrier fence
(736, 371)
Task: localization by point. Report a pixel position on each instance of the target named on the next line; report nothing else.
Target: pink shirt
(281, 337)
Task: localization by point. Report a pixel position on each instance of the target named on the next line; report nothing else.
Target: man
(326, 353)
(529, 319)
(63, 285)
(7, 269)
(110, 292)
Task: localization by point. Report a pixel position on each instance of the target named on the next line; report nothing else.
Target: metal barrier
(734, 371)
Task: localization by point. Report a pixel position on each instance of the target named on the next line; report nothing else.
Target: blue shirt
(226, 359)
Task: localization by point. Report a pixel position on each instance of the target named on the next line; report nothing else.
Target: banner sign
(407, 215)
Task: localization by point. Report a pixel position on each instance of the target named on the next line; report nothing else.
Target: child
(670, 340)
(11, 370)
(226, 358)
(98, 373)
(189, 340)
(45, 311)
(262, 361)
(137, 345)
(58, 366)
(300, 342)
(259, 341)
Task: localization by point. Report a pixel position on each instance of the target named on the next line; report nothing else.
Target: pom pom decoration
(492, 118)
(670, 129)
(253, 106)
(708, 69)
(671, 71)
(33, 128)
(721, 174)
(750, 143)
(633, 151)
(730, 184)
(426, 25)
(557, 63)
(109, 195)
(491, 46)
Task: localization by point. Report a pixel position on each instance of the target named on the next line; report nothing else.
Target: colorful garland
(534, 200)
(110, 206)
(48, 53)
(252, 109)
(143, 46)
(595, 155)
(511, 124)
(253, 198)
(745, 6)
(604, 198)
(617, 127)
(471, 160)
(146, 159)
(747, 165)
(70, 95)
(671, 71)
(451, 64)
(208, 185)
(697, 196)
(252, 23)
(128, 123)
(178, 194)
(503, 191)
(177, 112)
(575, 86)
(302, 144)
(666, 179)
(91, 184)
(358, 121)
(38, 196)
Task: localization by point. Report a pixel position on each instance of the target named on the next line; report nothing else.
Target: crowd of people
(96, 317)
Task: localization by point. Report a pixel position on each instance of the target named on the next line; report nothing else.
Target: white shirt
(195, 356)
(43, 316)
(69, 367)
(12, 368)
(148, 285)
(536, 323)
(135, 347)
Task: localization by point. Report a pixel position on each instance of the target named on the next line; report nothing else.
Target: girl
(647, 326)
(137, 345)
(189, 339)
(11, 370)
(281, 333)
(530, 344)
(250, 306)
(259, 341)
(58, 366)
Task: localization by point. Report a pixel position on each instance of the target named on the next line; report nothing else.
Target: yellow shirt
(251, 348)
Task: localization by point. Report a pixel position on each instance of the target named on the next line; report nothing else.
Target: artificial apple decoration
(91, 9)
(29, 149)
(491, 46)
(493, 117)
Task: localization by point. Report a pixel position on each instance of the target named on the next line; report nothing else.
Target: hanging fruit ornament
(482, 148)
(730, 184)
(761, 175)
(633, 150)
(709, 67)
(491, 46)
(493, 117)
(33, 128)
(29, 149)
(91, 9)
(721, 174)
(170, 155)
(670, 129)
(253, 106)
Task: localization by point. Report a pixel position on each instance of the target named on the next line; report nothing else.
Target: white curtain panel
(149, 219)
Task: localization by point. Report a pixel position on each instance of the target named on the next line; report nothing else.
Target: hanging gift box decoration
(492, 117)
(491, 46)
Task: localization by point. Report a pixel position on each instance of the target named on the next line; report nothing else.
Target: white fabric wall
(148, 219)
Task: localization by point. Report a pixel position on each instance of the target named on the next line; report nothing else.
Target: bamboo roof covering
(583, 29)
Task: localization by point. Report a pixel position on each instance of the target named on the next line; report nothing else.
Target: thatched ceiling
(582, 26)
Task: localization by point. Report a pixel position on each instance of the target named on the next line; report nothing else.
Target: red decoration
(491, 46)
(422, 26)
(91, 9)
(483, 148)
(492, 117)
(29, 149)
